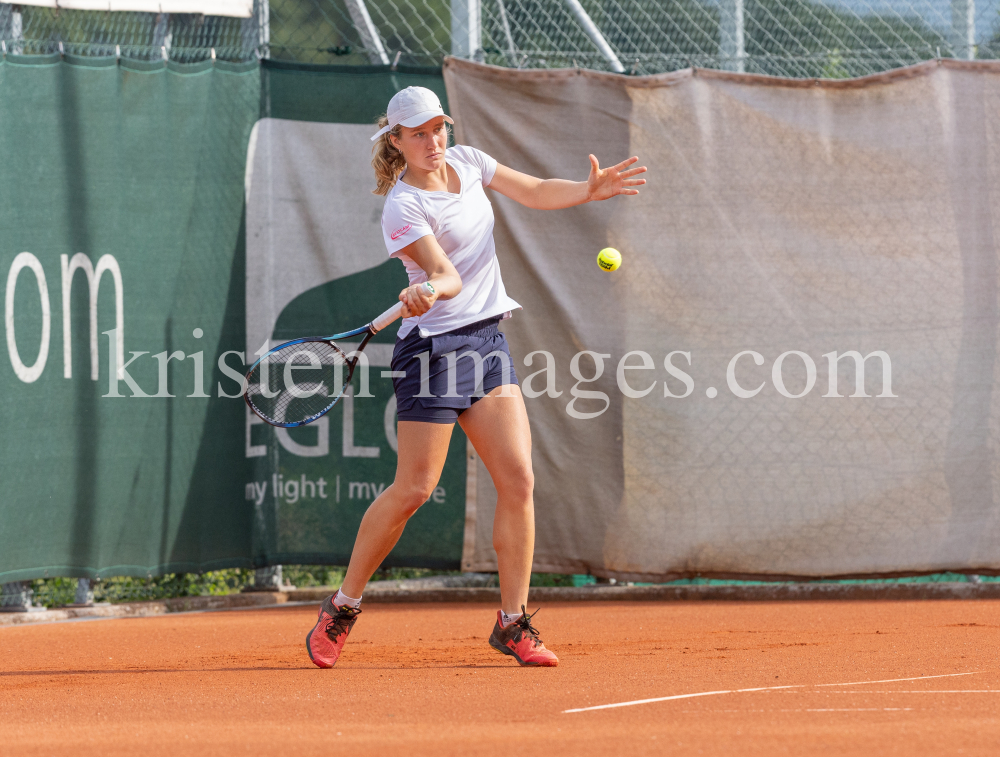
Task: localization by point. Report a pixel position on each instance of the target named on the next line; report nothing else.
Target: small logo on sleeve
(399, 232)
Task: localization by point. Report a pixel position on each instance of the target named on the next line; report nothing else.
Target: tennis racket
(300, 381)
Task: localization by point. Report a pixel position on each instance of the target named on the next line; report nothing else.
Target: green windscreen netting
(127, 246)
(120, 210)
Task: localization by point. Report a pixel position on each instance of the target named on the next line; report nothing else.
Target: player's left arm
(552, 194)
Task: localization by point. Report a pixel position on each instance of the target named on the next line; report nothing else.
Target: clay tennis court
(841, 677)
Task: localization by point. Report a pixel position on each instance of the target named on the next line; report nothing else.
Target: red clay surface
(419, 680)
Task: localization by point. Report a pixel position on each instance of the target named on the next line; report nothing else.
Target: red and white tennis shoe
(520, 640)
(325, 641)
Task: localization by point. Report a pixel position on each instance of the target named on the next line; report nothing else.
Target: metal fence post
(17, 31)
(584, 19)
(84, 593)
(269, 579)
(731, 44)
(262, 13)
(11, 28)
(466, 29)
(511, 50)
(963, 28)
(17, 596)
(161, 35)
(370, 38)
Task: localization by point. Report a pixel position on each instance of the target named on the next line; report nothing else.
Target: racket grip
(387, 317)
(396, 311)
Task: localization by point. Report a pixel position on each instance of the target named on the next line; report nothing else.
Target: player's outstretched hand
(617, 180)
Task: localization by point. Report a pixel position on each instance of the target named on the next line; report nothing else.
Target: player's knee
(414, 495)
(518, 485)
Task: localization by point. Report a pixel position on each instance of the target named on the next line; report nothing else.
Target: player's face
(423, 146)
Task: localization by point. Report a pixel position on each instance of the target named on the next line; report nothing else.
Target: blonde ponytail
(387, 161)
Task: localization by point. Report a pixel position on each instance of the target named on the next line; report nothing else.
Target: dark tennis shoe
(520, 641)
(326, 639)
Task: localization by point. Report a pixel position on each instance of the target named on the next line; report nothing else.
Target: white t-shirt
(463, 225)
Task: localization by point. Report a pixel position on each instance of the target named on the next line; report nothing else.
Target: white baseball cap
(411, 107)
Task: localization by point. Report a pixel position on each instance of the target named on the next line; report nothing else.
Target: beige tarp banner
(792, 233)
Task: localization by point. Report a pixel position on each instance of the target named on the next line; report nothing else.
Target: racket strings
(298, 382)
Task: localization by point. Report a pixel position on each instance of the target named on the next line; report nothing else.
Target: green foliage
(314, 32)
(55, 592)
(835, 68)
(401, 574)
(552, 579)
(801, 38)
(306, 576)
(649, 35)
(321, 31)
(991, 47)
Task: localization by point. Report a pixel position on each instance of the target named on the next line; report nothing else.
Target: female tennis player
(450, 362)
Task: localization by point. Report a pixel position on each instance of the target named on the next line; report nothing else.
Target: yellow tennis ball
(609, 259)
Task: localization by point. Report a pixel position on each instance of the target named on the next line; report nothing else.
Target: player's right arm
(427, 253)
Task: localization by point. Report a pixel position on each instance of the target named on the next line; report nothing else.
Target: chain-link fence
(798, 38)
(180, 37)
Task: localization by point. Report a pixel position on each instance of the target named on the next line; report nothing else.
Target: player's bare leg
(423, 448)
(498, 428)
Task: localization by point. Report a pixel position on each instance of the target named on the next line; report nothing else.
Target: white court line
(832, 709)
(895, 680)
(677, 696)
(740, 691)
(860, 709)
(927, 691)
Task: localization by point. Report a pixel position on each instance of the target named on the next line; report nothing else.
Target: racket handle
(396, 311)
(387, 317)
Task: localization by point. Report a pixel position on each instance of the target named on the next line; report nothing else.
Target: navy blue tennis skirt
(451, 381)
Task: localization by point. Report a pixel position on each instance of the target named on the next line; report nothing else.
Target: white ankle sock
(342, 599)
(506, 619)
